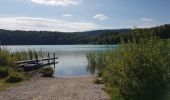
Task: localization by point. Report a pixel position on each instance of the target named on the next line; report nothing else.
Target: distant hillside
(98, 32)
(8, 37)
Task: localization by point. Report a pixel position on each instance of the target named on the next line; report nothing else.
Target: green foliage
(91, 63)
(47, 71)
(139, 69)
(11, 75)
(8, 77)
(4, 72)
(114, 93)
(27, 54)
(90, 37)
(46, 38)
(6, 58)
(15, 77)
(97, 62)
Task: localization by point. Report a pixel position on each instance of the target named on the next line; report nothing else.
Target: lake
(72, 58)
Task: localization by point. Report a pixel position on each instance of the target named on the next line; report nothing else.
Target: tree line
(8, 37)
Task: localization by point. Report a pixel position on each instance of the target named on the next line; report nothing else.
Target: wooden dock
(27, 61)
(37, 63)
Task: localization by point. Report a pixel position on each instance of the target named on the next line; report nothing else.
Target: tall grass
(9, 71)
(97, 62)
(5, 57)
(27, 54)
(136, 70)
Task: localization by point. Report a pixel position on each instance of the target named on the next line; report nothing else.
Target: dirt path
(56, 89)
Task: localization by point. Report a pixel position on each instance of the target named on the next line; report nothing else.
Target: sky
(82, 15)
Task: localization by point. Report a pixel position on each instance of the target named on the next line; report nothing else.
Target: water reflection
(71, 63)
(72, 58)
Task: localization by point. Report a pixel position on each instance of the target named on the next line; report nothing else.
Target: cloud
(41, 24)
(100, 17)
(63, 3)
(67, 15)
(147, 19)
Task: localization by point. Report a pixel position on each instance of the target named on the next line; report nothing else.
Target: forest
(8, 37)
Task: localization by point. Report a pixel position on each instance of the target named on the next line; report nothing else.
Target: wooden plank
(34, 67)
(27, 61)
(46, 64)
(49, 58)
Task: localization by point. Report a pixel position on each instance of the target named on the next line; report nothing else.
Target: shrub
(47, 71)
(139, 69)
(15, 77)
(4, 72)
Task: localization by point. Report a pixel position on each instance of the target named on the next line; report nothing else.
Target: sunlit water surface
(72, 58)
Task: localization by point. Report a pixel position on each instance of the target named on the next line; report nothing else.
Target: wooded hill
(8, 37)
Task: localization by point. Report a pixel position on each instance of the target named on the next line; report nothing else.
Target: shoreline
(60, 88)
(85, 76)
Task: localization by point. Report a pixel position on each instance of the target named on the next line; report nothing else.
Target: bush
(15, 77)
(4, 72)
(139, 69)
(47, 71)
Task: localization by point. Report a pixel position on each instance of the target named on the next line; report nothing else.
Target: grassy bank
(136, 70)
(10, 77)
(4, 85)
(10, 73)
(11, 81)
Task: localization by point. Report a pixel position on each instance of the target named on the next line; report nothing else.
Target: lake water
(72, 58)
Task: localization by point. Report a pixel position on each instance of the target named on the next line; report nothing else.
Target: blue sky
(82, 15)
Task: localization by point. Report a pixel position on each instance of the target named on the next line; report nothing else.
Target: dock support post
(30, 55)
(48, 57)
(12, 58)
(54, 60)
(36, 57)
(0, 54)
